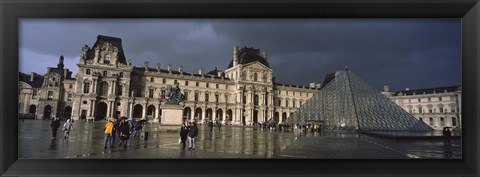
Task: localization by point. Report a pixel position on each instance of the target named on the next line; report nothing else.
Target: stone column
(214, 114)
(192, 113)
(108, 109)
(204, 112)
(144, 112)
(93, 87)
(224, 115)
(130, 113)
(92, 108)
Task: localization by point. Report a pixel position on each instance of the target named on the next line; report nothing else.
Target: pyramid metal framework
(347, 102)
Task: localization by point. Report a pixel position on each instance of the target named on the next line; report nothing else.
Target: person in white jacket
(67, 127)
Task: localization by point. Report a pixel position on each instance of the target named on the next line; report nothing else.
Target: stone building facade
(437, 107)
(107, 85)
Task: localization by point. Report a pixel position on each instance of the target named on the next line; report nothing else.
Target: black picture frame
(11, 11)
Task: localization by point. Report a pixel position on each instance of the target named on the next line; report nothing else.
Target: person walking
(449, 137)
(114, 131)
(108, 130)
(67, 127)
(183, 134)
(124, 129)
(54, 125)
(192, 134)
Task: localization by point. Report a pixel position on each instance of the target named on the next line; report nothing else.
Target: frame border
(12, 11)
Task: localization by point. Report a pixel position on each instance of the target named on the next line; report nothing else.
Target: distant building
(438, 107)
(107, 85)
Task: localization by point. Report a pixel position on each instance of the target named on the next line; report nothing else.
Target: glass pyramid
(347, 102)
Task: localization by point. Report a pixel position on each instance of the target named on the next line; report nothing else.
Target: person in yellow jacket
(109, 130)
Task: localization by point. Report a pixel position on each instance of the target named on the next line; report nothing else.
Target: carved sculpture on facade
(173, 95)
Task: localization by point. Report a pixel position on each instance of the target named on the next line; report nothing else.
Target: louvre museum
(244, 93)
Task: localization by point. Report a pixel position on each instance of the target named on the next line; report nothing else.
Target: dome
(248, 55)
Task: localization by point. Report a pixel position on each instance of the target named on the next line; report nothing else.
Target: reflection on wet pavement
(86, 141)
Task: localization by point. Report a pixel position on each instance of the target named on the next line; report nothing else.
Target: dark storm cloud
(414, 53)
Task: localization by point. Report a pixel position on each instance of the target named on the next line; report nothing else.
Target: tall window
(442, 121)
(185, 93)
(441, 110)
(106, 59)
(69, 97)
(244, 76)
(150, 93)
(152, 79)
(254, 76)
(87, 72)
(196, 84)
(104, 88)
(50, 95)
(430, 111)
(175, 82)
(104, 73)
(70, 86)
(206, 97)
(286, 103)
(430, 121)
(164, 81)
(226, 98)
(196, 97)
(186, 83)
(86, 87)
(419, 100)
(265, 78)
(216, 98)
(454, 121)
(120, 90)
(162, 94)
(439, 98)
(244, 99)
(293, 103)
(206, 85)
(34, 94)
(138, 92)
(121, 74)
(255, 100)
(216, 86)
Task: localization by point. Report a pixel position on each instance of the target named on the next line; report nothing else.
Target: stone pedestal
(172, 114)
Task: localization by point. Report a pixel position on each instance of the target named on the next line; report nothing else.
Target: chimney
(407, 89)
(235, 55)
(169, 68)
(158, 67)
(385, 88)
(312, 85)
(219, 73)
(200, 71)
(180, 69)
(319, 85)
(146, 66)
(32, 77)
(264, 54)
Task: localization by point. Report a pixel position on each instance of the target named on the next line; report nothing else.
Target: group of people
(189, 130)
(121, 128)
(67, 127)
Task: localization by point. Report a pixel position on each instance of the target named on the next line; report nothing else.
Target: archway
(137, 111)
(198, 113)
(68, 112)
(150, 112)
(187, 113)
(101, 111)
(47, 112)
(219, 114)
(33, 109)
(229, 115)
(255, 117)
(209, 114)
(275, 117)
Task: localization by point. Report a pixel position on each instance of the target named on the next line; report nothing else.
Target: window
(152, 79)
(226, 98)
(104, 73)
(196, 97)
(430, 110)
(186, 83)
(86, 87)
(255, 77)
(163, 94)
(175, 82)
(419, 100)
(441, 110)
(104, 88)
(442, 121)
(244, 76)
(409, 100)
(106, 59)
(216, 86)
(420, 119)
(294, 103)
(121, 74)
(255, 100)
(70, 86)
(150, 93)
(244, 100)
(206, 97)
(286, 103)
(265, 78)
(300, 102)
(454, 121)
(429, 99)
(69, 97)
(206, 85)
(196, 84)
(164, 81)
(50, 95)
(120, 90)
(216, 98)
(439, 98)
(185, 94)
(138, 92)
(34, 94)
(420, 110)
(87, 71)
(430, 121)
(452, 109)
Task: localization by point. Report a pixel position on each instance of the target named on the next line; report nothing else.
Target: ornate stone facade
(108, 86)
(437, 107)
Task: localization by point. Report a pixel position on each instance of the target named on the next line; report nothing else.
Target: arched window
(454, 121)
(430, 121)
(86, 87)
(152, 79)
(104, 88)
(255, 100)
(244, 76)
(442, 121)
(255, 77)
(106, 59)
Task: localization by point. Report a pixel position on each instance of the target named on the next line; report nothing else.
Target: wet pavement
(86, 141)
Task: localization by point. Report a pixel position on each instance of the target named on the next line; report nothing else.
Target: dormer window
(106, 59)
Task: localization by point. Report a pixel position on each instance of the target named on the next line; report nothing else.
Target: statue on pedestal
(173, 95)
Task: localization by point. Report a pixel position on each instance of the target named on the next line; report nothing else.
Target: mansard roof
(448, 89)
(36, 83)
(214, 72)
(142, 69)
(249, 55)
(101, 39)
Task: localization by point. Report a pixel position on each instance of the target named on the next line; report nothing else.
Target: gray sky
(414, 53)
